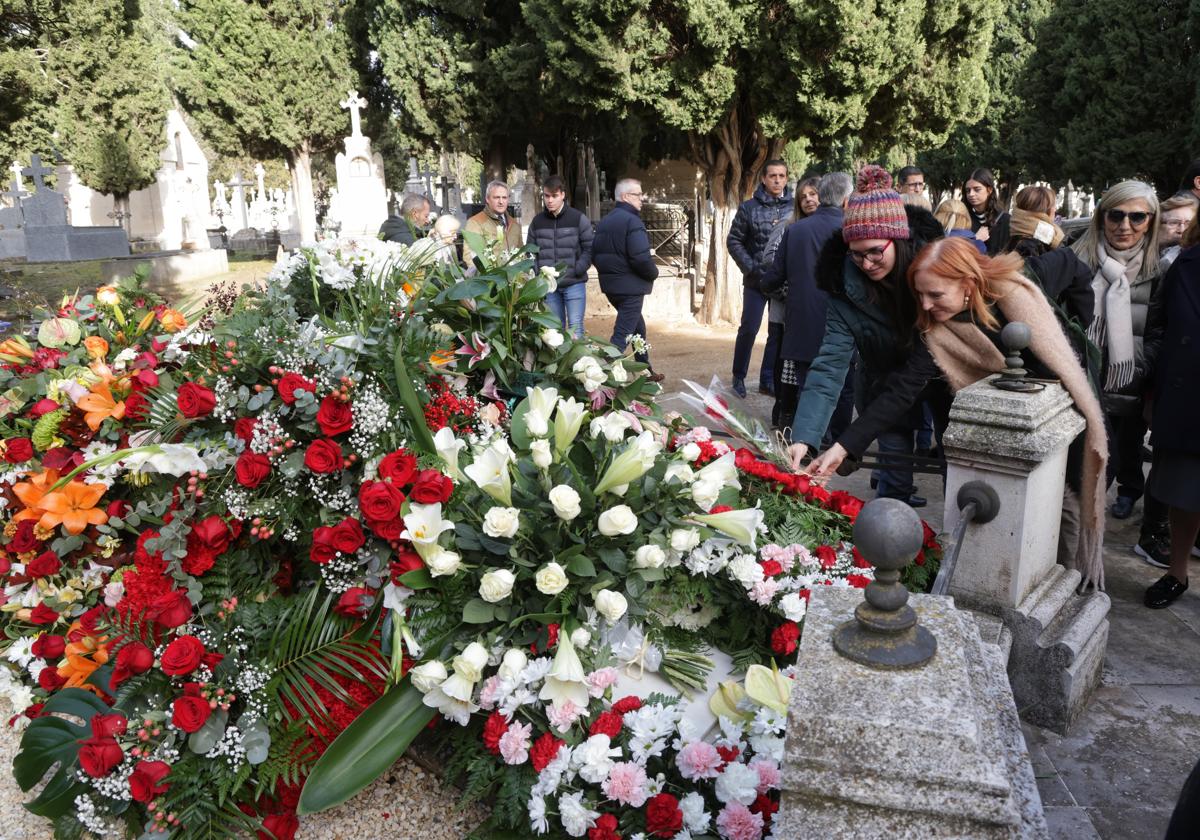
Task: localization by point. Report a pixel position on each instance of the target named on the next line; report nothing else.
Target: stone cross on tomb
(37, 172)
(239, 185)
(11, 217)
(354, 102)
(15, 194)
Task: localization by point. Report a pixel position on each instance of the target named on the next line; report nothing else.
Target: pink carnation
(562, 717)
(699, 760)
(599, 680)
(736, 822)
(490, 693)
(514, 744)
(768, 774)
(627, 783)
(764, 591)
(774, 552)
(800, 555)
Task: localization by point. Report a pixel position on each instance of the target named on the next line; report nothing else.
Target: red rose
(543, 751)
(322, 550)
(182, 656)
(133, 658)
(389, 529)
(334, 416)
(143, 379)
(243, 429)
(42, 615)
(18, 450)
(406, 561)
(5, 565)
(136, 406)
(252, 469)
(171, 609)
(399, 466)
(290, 383)
(99, 756)
(355, 602)
(784, 638)
(606, 723)
(431, 487)
(208, 540)
(860, 562)
(144, 781)
(280, 826)
(44, 565)
(323, 456)
(211, 660)
(347, 536)
(109, 726)
(379, 501)
(23, 540)
(49, 646)
(627, 704)
(493, 731)
(62, 458)
(43, 406)
(663, 817)
(88, 621)
(190, 712)
(827, 556)
(604, 829)
(195, 400)
(50, 680)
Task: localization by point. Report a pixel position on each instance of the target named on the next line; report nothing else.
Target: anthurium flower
(74, 507)
(767, 687)
(741, 525)
(98, 405)
(55, 332)
(724, 701)
(566, 680)
(490, 473)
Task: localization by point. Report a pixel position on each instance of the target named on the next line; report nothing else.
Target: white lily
(423, 525)
(742, 525)
(567, 420)
(630, 465)
(448, 447)
(541, 405)
(166, 458)
(723, 471)
(489, 471)
(566, 678)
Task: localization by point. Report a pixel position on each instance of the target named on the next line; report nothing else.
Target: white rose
(617, 520)
(537, 424)
(793, 606)
(501, 522)
(551, 579)
(442, 562)
(428, 675)
(470, 663)
(704, 493)
(581, 637)
(514, 662)
(690, 451)
(684, 540)
(552, 338)
(649, 557)
(619, 374)
(612, 425)
(611, 605)
(681, 472)
(496, 585)
(542, 456)
(566, 502)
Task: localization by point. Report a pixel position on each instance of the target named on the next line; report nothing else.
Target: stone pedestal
(932, 752)
(63, 243)
(1008, 568)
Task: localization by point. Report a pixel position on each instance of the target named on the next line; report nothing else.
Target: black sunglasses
(1136, 219)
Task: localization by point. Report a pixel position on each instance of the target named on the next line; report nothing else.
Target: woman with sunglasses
(870, 310)
(1120, 246)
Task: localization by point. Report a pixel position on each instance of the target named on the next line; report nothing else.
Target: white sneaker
(1153, 554)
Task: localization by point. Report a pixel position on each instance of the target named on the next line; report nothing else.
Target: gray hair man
(499, 230)
(794, 271)
(412, 223)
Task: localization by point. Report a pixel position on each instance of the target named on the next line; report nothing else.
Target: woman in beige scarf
(965, 298)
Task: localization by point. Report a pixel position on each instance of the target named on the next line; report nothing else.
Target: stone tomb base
(170, 270)
(933, 752)
(64, 243)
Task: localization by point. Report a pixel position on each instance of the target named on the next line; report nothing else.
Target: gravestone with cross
(45, 208)
(12, 220)
(360, 205)
(48, 237)
(241, 220)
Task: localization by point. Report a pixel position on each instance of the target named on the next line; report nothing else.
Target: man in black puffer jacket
(748, 235)
(563, 236)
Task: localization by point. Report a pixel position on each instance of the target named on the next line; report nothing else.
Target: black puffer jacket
(563, 240)
(751, 228)
(621, 253)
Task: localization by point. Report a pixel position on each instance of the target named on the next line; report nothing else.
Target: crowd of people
(880, 307)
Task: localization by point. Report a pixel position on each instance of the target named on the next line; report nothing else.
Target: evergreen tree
(265, 78)
(27, 28)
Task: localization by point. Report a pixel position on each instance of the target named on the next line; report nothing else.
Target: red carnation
(49, 646)
(920, 558)
(543, 751)
(190, 712)
(728, 754)
(400, 467)
(784, 638)
(606, 723)
(663, 817)
(171, 609)
(44, 565)
(243, 429)
(99, 756)
(334, 416)
(827, 556)
(290, 383)
(860, 562)
(355, 602)
(627, 704)
(280, 827)
(133, 658)
(604, 829)
(18, 450)
(771, 568)
(182, 656)
(858, 581)
(252, 469)
(144, 780)
(493, 730)
(42, 615)
(766, 806)
(195, 400)
(431, 487)
(323, 456)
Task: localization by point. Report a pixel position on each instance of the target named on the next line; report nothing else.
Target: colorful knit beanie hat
(875, 210)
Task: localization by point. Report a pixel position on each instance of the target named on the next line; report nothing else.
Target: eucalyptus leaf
(210, 734)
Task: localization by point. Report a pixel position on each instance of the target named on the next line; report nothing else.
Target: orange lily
(441, 358)
(82, 658)
(100, 405)
(31, 492)
(15, 350)
(74, 506)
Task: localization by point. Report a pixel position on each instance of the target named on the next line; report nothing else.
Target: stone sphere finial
(884, 632)
(1016, 337)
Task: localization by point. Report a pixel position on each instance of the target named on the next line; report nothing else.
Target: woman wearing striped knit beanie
(871, 311)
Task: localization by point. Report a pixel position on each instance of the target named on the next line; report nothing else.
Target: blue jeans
(753, 304)
(895, 482)
(574, 298)
(925, 433)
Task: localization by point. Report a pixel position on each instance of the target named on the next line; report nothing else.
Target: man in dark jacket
(795, 268)
(412, 223)
(770, 206)
(621, 254)
(563, 237)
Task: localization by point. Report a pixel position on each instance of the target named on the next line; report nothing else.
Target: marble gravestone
(48, 236)
(360, 206)
(12, 237)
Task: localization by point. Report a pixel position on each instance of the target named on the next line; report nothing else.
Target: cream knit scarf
(965, 355)
(1112, 327)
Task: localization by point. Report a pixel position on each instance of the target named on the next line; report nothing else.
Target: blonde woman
(955, 219)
